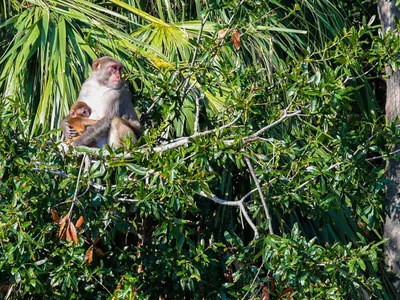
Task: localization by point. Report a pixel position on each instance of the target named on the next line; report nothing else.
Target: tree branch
(264, 203)
(235, 203)
(266, 128)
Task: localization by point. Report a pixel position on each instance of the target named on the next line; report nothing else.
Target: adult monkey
(111, 103)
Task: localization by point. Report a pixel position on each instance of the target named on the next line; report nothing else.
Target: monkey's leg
(118, 131)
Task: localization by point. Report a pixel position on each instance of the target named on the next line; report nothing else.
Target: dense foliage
(260, 174)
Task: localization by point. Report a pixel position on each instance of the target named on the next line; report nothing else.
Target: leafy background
(205, 205)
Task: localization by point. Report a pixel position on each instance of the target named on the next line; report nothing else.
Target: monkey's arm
(81, 122)
(69, 132)
(94, 133)
(89, 122)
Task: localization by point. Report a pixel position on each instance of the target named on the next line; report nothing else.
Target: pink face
(84, 112)
(115, 76)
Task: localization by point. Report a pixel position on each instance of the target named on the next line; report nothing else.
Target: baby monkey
(78, 119)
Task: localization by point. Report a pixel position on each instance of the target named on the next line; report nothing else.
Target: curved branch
(235, 203)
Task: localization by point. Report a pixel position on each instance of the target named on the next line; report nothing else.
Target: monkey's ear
(96, 65)
(72, 113)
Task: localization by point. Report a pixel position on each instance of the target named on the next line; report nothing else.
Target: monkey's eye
(114, 67)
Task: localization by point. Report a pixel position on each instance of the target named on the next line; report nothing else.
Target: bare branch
(251, 224)
(361, 75)
(54, 172)
(75, 198)
(196, 50)
(185, 140)
(257, 183)
(235, 203)
(123, 199)
(266, 128)
(254, 280)
(383, 156)
(152, 105)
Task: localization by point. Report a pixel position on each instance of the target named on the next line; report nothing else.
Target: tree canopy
(261, 172)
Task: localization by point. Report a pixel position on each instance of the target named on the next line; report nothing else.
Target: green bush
(258, 175)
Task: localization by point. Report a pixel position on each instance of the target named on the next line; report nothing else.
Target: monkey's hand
(69, 132)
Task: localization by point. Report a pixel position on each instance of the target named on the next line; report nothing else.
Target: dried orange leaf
(63, 219)
(80, 222)
(89, 255)
(54, 215)
(99, 252)
(61, 232)
(236, 39)
(222, 33)
(73, 233)
(68, 236)
(287, 291)
(265, 293)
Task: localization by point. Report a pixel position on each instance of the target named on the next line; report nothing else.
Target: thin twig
(123, 199)
(186, 88)
(77, 185)
(197, 113)
(257, 183)
(265, 128)
(363, 74)
(54, 172)
(254, 280)
(313, 178)
(234, 14)
(152, 105)
(383, 156)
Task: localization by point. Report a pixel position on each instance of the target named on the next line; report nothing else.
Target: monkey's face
(110, 75)
(84, 112)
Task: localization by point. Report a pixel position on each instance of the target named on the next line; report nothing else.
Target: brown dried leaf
(288, 291)
(97, 240)
(68, 236)
(63, 219)
(236, 39)
(265, 293)
(272, 285)
(80, 222)
(54, 215)
(89, 255)
(222, 33)
(73, 233)
(63, 222)
(99, 252)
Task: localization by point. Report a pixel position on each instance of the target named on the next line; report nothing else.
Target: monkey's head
(80, 109)
(107, 71)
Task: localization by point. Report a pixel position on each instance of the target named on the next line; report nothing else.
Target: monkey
(111, 103)
(78, 119)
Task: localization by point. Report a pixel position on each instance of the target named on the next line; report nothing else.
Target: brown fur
(78, 119)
